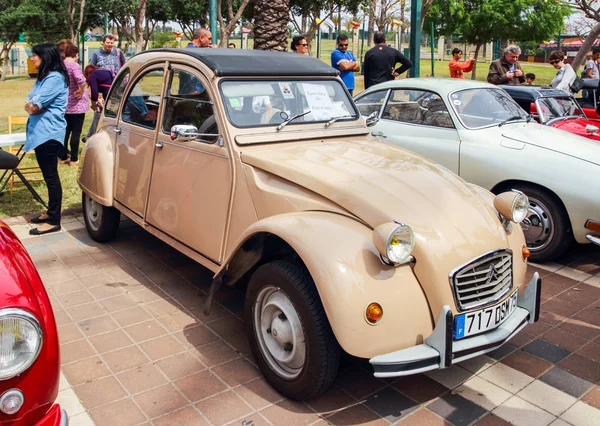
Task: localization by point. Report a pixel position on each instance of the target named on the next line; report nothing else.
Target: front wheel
(290, 336)
(547, 228)
(102, 222)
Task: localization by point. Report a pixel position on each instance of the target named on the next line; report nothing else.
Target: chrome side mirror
(372, 119)
(184, 133)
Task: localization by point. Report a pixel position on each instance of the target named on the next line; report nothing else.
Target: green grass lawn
(14, 91)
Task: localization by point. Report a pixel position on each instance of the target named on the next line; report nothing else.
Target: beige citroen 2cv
(259, 166)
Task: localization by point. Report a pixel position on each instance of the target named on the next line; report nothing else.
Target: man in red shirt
(457, 69)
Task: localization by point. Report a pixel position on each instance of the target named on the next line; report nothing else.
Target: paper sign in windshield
(286, 90)
(318, 101)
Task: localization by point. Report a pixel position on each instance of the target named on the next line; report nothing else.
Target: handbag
(577, 85)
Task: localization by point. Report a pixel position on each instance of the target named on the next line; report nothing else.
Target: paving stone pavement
(136, 349)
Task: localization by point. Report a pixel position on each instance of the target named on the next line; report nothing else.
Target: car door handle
(378, 134)
(117, 130)
(158, 144)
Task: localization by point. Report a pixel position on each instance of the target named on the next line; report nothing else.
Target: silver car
(479, 132)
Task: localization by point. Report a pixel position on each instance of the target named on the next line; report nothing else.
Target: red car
(29, 350)
(555, 108)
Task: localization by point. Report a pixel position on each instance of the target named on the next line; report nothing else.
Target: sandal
(40, 219)
(36, 231)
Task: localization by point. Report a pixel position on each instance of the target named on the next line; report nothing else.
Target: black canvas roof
(247, 62)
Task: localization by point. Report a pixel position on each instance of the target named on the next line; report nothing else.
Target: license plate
(484, 319)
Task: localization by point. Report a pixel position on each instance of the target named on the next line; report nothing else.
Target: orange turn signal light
(593, 225)
(526, 253)
(374, 313)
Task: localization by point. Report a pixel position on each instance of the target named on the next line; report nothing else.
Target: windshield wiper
(334, 119)
(289, 120)
(513, 118)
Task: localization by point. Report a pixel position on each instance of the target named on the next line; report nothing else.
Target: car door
(191, 180)
(419, 120)
(135, 138)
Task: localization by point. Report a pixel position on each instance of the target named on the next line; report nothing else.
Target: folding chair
(12, 120)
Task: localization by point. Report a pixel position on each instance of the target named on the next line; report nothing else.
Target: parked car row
(259, 166)
(479, 132)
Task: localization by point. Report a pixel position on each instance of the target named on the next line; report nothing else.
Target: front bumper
(54, 417)
(440, 350)
(593, 238)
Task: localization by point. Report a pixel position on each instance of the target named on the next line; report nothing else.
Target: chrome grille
(483, 280)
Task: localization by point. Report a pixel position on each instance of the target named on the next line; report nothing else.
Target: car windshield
(484, 107)
(551, 108)
(272, 102)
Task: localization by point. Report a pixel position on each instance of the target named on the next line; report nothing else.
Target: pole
(362, 44)
(212, 12)
(106, 23)
(415, 38)
(432, 52)
(319, 42)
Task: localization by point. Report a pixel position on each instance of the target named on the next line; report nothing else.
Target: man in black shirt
(381, 60)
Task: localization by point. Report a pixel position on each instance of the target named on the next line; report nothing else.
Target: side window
(371, 102)
(187, 102)
(141, 106)
(417, 107)
(114, 99)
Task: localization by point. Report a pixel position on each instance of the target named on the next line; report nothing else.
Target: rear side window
(114, 98)
(142, 103)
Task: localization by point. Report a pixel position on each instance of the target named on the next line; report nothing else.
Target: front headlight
(513, 205)
(20, 341)
(395, 242)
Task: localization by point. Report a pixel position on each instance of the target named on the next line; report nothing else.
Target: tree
(225, 29)
(75, 6)
(140, 16)
(591, 10)
(156, 11)
(12, 19)
(189, 15)
(481, 21)
(271, 18)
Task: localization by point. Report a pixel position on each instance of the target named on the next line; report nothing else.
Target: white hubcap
(279, 332)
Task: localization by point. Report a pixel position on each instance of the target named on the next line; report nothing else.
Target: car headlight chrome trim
(21, 330)
(512, 205)
(395, 242)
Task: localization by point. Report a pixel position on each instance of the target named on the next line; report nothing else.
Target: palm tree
(271, 18)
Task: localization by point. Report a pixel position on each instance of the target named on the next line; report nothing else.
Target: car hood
(577, 126)
(380, 183)
(554, 139)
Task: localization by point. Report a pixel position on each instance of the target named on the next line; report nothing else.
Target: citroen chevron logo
(492, 274)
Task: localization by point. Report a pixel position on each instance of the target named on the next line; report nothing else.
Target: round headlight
(20, 341)
(520, 207)
(512, 205)
(394, 241)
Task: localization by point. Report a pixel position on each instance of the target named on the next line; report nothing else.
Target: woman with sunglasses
(46, 105)
(565, 76)
(299, 45)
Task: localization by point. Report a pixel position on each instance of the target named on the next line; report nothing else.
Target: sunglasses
(305, 44)
(554, 62)
(343, 45)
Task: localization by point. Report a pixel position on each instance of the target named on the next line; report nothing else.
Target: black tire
(101, 222)
(322, 352)
(546, 242)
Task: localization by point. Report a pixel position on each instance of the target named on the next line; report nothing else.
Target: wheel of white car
(547, 228)
(289, 333)
(102, 222)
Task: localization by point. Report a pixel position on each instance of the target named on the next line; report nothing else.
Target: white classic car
(480, 133)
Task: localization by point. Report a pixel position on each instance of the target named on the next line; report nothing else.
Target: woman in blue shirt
(46, 105)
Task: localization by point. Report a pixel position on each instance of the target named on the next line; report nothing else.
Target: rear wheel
(547, 228)
(290, 336)
(102, 222)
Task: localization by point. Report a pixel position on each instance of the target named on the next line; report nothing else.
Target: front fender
(339, 254)
(97, 168)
